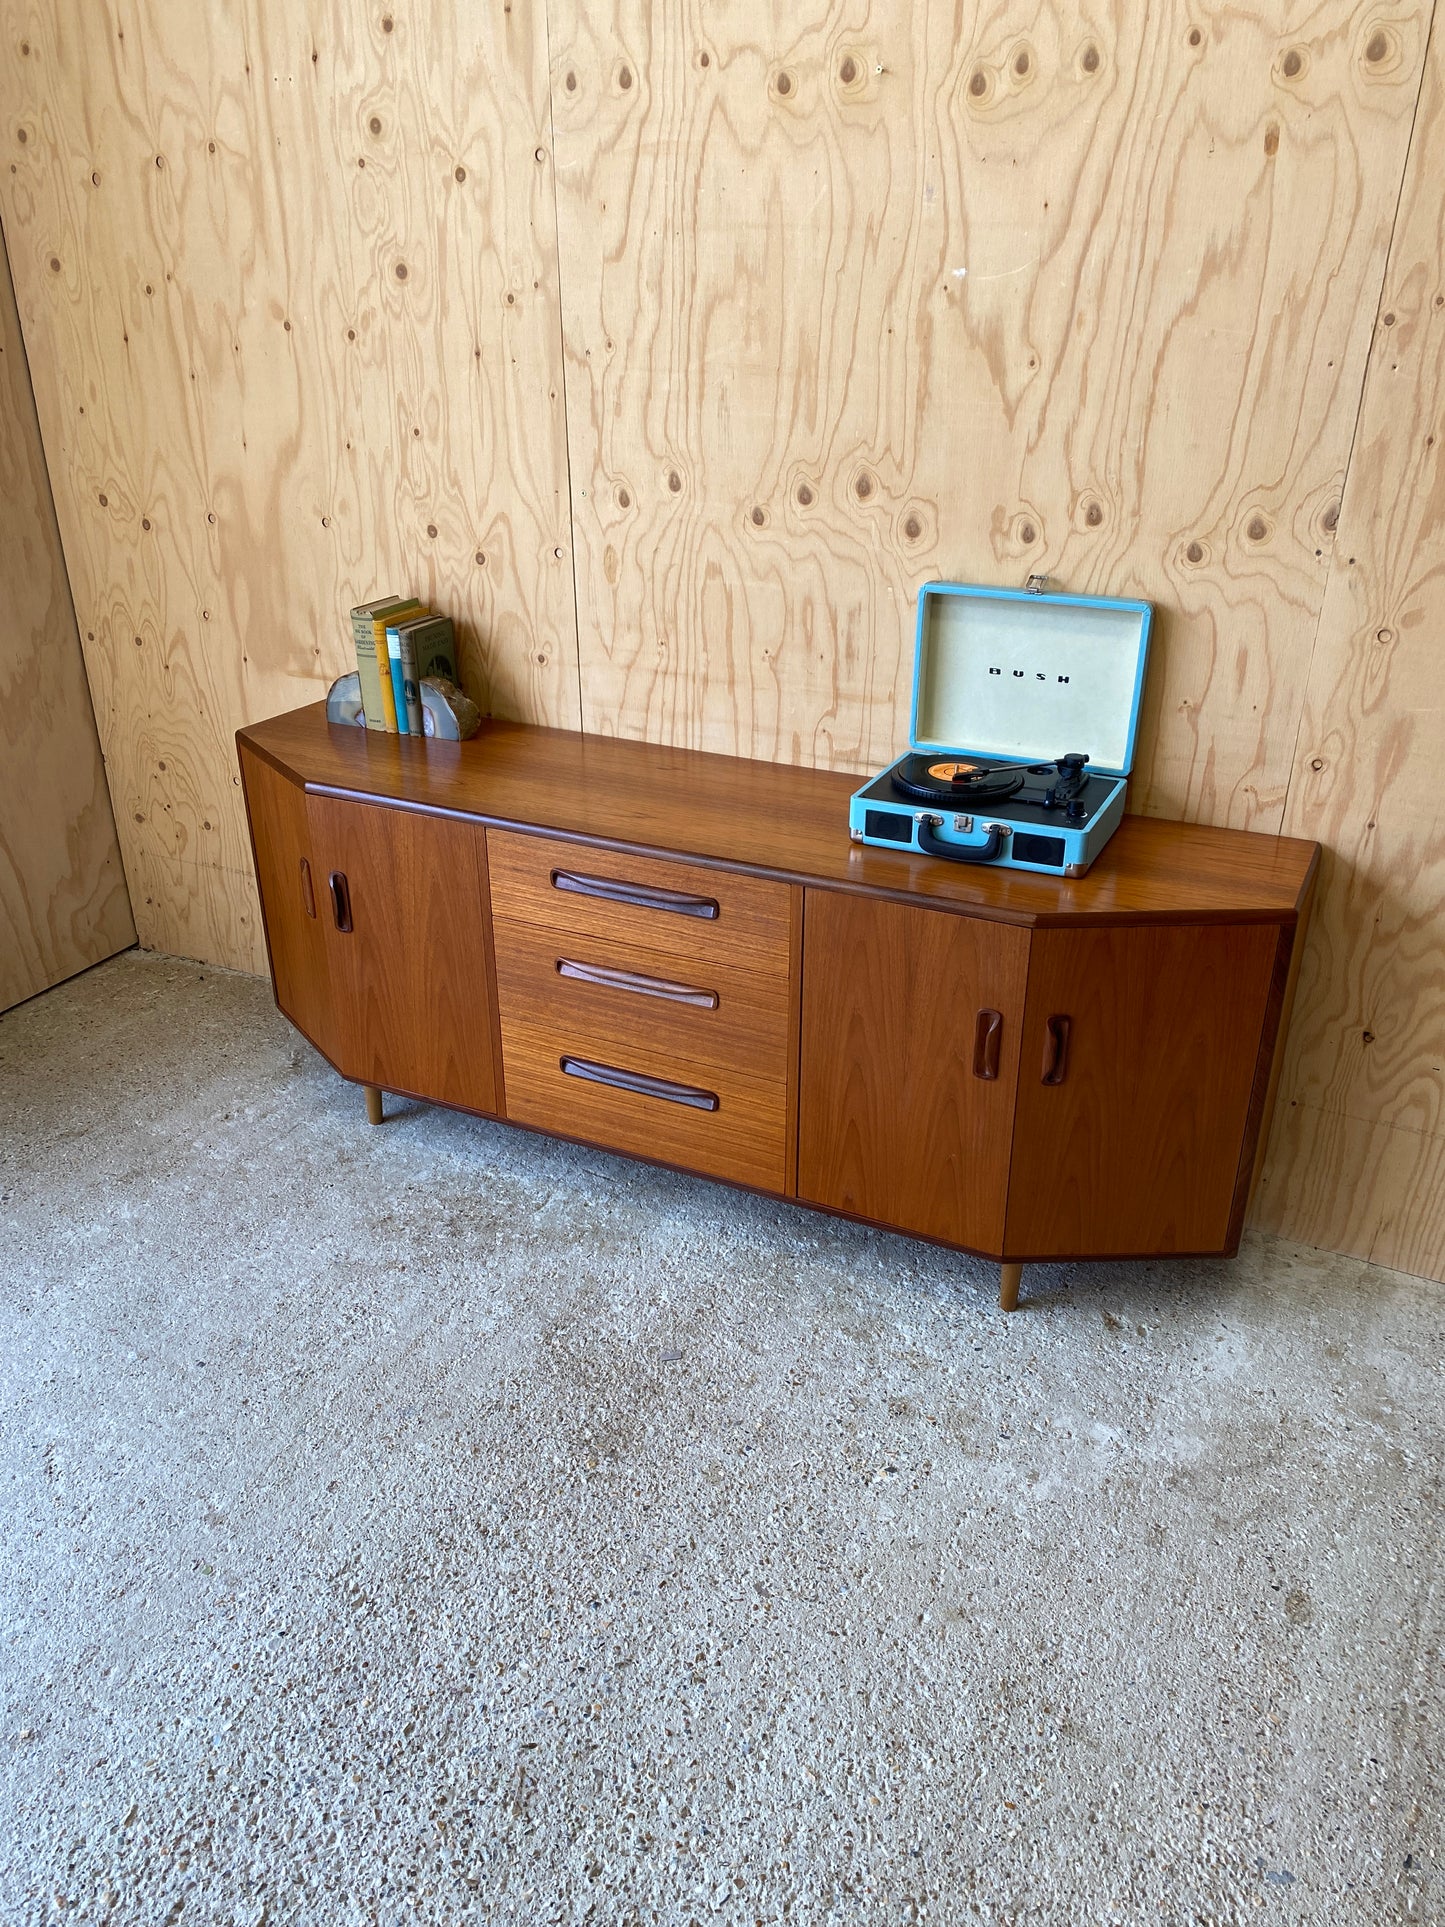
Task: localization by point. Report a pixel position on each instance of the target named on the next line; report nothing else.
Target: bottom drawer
(705, 1119)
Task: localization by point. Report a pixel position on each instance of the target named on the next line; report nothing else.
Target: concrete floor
(439, 1523)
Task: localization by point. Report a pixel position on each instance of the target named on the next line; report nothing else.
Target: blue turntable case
(1015, 679)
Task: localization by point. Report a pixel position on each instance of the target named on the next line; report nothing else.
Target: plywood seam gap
(1369, 363)
(69, 582)
(1361, 1117)
(562, 375)
(163, 859)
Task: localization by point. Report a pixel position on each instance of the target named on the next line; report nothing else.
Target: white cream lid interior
(1029, 676)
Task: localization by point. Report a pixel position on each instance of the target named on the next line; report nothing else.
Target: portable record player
(1025, 708)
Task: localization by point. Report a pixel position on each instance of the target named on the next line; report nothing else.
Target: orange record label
(951, 772)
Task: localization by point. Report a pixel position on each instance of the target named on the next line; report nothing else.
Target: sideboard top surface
(777, 820)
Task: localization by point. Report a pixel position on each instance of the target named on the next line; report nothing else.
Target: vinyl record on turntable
(952, 779)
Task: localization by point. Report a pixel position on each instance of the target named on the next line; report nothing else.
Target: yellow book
(363, 640)
(398, 612)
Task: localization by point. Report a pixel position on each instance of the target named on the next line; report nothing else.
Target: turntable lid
(1005, 672)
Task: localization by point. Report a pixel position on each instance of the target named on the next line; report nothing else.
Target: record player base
(683, 958)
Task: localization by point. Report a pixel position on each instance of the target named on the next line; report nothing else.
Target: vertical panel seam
(1368, 370)
(562, 366)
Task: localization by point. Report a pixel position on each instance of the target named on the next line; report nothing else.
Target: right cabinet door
(1136, 1078)
(910, 1050)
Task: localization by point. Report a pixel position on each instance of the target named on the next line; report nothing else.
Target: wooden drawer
(699, 915)
(618, 999)
(707, 1118)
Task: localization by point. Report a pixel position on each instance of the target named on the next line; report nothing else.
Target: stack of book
(399, 643)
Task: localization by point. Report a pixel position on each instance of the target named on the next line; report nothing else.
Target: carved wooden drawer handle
(987, 1038)
(605, 979)
(1056, 1049)
(641, 1086)
(340, 900)
(635, 894)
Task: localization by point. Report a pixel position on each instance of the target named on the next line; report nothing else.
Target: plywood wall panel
(892, 291)
(63, 902)
(289, 276)
(1357, 1159)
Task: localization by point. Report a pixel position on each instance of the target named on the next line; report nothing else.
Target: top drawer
(683, 909)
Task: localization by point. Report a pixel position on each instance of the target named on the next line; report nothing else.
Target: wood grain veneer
(779, 821)
(1277, 1010)
(743, 1140)
(293, 899)
(410, 985)
(894, 1123)
(1136, 1146)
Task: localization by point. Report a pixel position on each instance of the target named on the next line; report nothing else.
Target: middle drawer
(643, 1006)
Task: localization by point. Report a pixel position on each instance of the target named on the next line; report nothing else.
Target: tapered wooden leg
(1008, 1286)
(373, 1108)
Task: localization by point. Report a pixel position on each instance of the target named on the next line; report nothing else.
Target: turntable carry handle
(1056, 1049)
(958, 852)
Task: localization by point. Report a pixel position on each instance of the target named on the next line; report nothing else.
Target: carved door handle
(341, 900)
(987, 1039)
(1056, 1049)
(308, 894)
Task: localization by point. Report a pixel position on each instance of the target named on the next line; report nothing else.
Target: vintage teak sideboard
(682, 957)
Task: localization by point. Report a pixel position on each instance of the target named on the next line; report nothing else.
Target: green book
(430, 643)
(363, 636)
